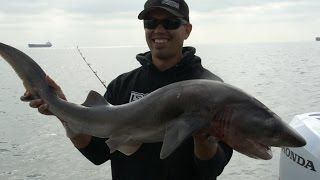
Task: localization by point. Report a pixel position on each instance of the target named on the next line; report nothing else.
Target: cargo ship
(47, 44)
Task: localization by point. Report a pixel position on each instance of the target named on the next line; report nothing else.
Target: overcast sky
(114, 23)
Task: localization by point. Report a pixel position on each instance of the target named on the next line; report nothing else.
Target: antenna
(94, 72)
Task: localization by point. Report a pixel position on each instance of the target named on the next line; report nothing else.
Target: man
(166, 24)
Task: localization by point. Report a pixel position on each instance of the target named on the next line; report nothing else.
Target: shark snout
(294, 139)
(288, 138)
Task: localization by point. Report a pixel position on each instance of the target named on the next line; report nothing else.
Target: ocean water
(284, 76)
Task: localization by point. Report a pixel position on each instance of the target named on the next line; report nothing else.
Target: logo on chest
(136, 95)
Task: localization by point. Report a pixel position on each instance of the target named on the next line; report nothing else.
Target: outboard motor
(303, 163)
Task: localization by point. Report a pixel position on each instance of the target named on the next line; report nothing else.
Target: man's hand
(79, 140)
(205, 146)
(39, 103)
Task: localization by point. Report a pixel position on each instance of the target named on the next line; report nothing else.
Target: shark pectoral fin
(129, 149)
(94, 99)
(179, 129)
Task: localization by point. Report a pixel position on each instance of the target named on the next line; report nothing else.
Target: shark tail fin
(95, 99)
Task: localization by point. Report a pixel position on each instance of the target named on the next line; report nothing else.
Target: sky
(69, 23)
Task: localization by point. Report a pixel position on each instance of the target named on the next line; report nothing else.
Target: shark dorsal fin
(94, 99)
(179, 130)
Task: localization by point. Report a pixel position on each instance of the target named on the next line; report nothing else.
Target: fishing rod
(94, 72)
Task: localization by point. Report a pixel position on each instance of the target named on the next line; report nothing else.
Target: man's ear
(188, 28)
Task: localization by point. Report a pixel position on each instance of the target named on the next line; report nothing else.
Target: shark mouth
(263, 150)
(267, 150)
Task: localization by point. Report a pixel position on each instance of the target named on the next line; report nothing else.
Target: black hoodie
(145, 164)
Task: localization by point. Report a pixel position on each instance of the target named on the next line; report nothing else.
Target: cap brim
(143, 13)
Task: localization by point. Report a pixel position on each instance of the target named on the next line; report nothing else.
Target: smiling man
(165, 31)
(167, 26)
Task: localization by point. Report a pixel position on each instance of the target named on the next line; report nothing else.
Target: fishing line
(94, 72)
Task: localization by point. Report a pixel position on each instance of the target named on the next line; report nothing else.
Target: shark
(170, 114)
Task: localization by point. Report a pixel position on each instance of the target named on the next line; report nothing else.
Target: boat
(303, 162)
(47, 44)
(317, 38)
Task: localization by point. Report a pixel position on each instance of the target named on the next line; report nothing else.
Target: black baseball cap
(178, 8)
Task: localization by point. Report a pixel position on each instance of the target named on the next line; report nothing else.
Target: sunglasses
(169, 24)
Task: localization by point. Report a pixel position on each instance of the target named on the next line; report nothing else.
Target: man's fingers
(27, 96)
(52, 83)
(205, 136)
(43, 109)
(35, 103)
(27, 93)
(212, 139)
(55, 86)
